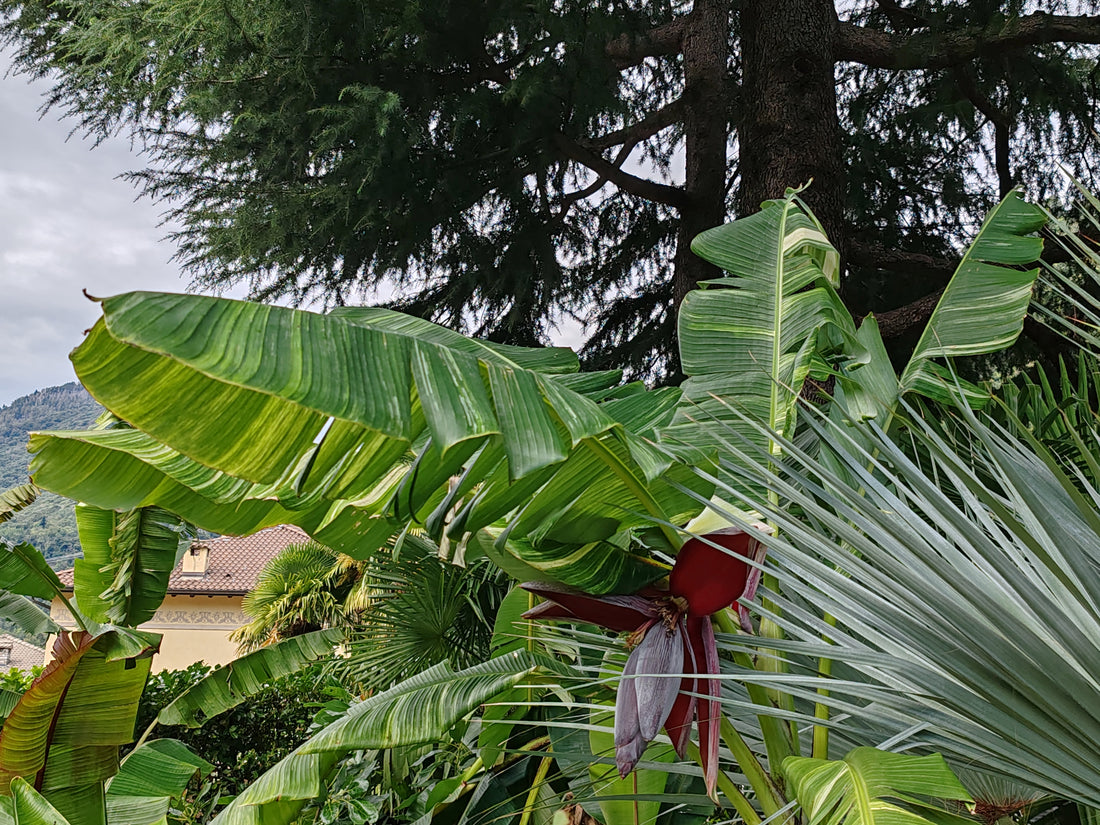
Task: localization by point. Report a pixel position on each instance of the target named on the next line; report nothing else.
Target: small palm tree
(304, 588)
(418, 610)
(406, 608)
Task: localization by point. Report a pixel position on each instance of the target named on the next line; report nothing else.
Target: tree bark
(789, 130)
(705, 51)
(938, 50)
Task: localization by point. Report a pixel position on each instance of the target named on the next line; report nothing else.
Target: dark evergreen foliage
(246, 740)
(501, 166)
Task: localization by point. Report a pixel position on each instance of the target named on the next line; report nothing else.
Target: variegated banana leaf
(983, 308)
(748, 340)
(981, 311)
(875, 787)
(368, 416)
(123, 576)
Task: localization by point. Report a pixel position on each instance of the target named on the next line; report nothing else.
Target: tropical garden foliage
(247, 739)
(812, 587)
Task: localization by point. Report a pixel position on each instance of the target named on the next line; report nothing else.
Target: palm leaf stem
(775, 736)
(473, 770)
(820, 748)
(739, 801)
(533, 794)
(766, 792)
(771, 663)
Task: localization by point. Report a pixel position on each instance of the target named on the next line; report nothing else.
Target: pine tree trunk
(789, 130)
(705, 50)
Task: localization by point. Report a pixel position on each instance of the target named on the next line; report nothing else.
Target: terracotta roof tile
(233, 565)
(20, 654)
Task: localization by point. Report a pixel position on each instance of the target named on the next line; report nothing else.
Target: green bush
(243, 742)
(17, 681)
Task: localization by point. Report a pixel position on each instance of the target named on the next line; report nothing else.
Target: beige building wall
(194, 629)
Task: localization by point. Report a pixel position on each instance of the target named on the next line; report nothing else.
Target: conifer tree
(508, 164)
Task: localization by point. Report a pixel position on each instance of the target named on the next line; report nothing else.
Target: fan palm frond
(963, 586)
(421, 611)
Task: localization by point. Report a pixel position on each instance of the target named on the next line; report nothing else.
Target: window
(5, 656)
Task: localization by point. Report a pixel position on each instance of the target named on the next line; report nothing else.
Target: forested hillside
(48, 524)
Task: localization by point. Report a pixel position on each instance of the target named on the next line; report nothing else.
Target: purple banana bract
(669, 677)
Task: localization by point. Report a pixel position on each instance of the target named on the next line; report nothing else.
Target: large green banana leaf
(25, 574)
(160, 768)
(150, 777)
(64, 734)
(8, 700)
(127, 469)
(25, 614)
(418, 710)
(268, 394)
(866, 786)
(982, 309)
(228, 686)
(749, 340)
(422, 707)
(128, 557)
(26, 806)
(349, 399)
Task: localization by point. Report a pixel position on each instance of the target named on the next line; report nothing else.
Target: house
(18, 654)
(205, 591)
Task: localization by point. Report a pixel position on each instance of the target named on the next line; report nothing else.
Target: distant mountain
(49, 523)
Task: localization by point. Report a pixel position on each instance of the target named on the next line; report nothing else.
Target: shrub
(245, 741)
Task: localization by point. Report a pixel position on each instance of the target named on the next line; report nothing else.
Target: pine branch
(1002, 126)
(897, 322)
(626, 138)
(628, 50)
(642, 187)
(647, 127)
(895, 260)
(899, 16)
(883, 50)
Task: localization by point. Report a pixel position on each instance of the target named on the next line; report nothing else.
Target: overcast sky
(66, 224)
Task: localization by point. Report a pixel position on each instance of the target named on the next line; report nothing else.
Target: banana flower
(668, 680)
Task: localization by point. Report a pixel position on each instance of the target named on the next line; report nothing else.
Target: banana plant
(517, 427)
(127, 559)
(60, 742)
(361, 423)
